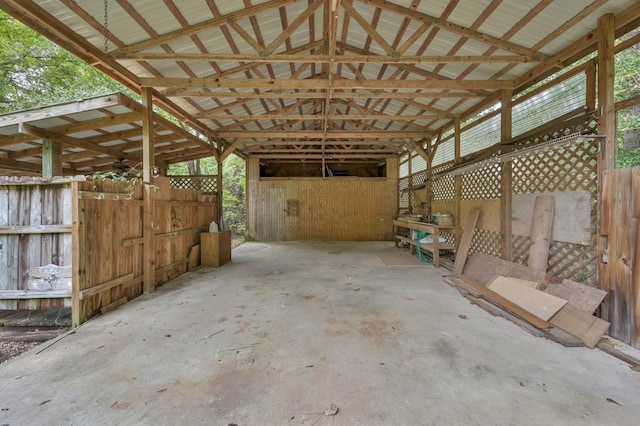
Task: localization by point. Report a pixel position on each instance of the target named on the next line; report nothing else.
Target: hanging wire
(106, 26)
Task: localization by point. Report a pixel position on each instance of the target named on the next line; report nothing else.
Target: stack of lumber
(546, 306)
(561, 310)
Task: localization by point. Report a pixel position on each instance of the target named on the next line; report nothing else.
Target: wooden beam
(326, 59)
(310, 134)
(506, 187)
(284, 94)
(202, 26)
(606, 101)
(237, 83)
(58, 110)
(149, 245)
(301, 19)
(303, 156)
(229, 149)
(79, 143)
(20, 166)
(51, 158)
(353, 13)
(448, 26)
(427, 116)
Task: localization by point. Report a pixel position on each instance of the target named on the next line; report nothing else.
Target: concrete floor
(288, 329)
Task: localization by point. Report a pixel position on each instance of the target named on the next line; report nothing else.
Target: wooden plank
(34, 294)
(105, 286)
(540, 304)
(584, 326)
(505, 303)
(571, 215)
(578, 295)
(489, 220)
(194, 257)
(554, 334)
(542, 222)
(111, 306)
(35, 229)
(465, 242)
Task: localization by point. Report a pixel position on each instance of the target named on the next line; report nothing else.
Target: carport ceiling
(354, 80)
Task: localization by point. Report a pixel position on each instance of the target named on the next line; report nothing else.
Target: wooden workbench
(432, 229)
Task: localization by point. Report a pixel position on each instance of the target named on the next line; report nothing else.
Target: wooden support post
(606, 127)
(429, 186)
(149, 246)
(410, 182)
(219, 177)
(457, 191)
(606, 102)
(78, 260)
(591, 77)
(506, 191)
(51, 158)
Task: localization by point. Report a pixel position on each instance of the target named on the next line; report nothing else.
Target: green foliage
(234, 201)
(35, 71)
(129, 178)
(626, 86)
(628, 157)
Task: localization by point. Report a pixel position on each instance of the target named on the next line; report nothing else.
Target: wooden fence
(620, 263)
(96, 227)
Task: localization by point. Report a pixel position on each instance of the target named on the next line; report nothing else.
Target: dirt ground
(9, 350)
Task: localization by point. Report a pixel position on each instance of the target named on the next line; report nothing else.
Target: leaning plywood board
(482, 291)
(465, 241)
(571, 218)
(484, 269)
(584, 326)
(578, 295)
(536, 302)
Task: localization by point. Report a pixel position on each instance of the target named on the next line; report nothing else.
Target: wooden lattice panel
(482, 184)
(206, 184)
(403, 203)
(487, 242)
(582, 125)
(572, 168)
(443, 188)
(569, 168)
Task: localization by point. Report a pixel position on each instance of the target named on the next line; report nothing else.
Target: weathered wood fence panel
(109, 247)
(35, 231)
(620, 267)
(94, 228)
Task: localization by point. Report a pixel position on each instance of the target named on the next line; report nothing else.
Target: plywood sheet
(571, 218)
(586, 327)
(489, 220)
(580, 296)
(484, 269)
(536, 302)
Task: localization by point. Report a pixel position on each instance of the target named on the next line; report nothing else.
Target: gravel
(10, 349)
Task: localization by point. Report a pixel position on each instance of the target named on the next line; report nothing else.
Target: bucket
(442, 219)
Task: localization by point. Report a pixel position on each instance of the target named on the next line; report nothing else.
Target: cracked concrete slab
(287, 329)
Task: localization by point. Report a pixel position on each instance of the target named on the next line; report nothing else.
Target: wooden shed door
(269, 214)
